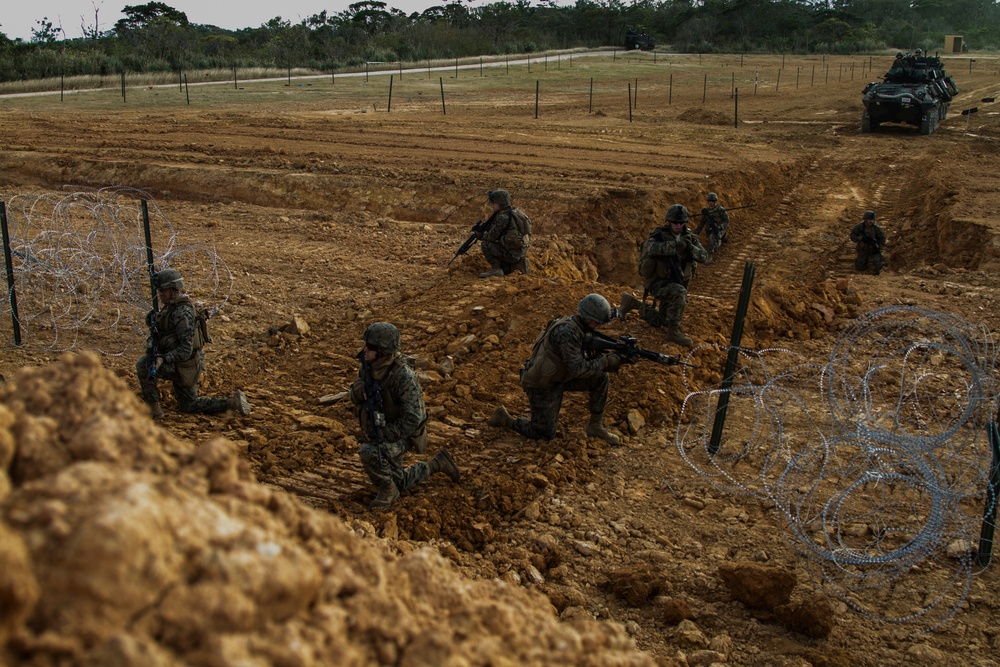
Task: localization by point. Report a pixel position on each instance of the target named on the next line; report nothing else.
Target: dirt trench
(344, 220)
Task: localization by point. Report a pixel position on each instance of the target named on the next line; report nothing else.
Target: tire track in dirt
(805, 235)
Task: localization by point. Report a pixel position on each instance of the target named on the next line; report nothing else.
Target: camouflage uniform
(503, 246)
(182, 363)
(870, 240)
(676, 256)
(716, 220)
(586, 371)
(405, 414)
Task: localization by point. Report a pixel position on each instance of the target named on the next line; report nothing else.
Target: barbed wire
(877, 461)
(79, 267)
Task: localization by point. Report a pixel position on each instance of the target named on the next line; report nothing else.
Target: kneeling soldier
(559, 364)
(390, 408)
(174, 352)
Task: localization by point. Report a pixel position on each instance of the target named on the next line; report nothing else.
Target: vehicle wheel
(866, 123)
(926, 125)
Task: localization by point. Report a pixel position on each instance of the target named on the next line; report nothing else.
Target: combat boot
(492, 273)
(674, 335)
(523, 266)
(442, 462)
(501, 418)
(238, 402)
(387, 495)
(595, 429)
(630, 303)
(155, 411)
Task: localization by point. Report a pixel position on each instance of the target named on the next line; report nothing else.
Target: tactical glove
(612, 362)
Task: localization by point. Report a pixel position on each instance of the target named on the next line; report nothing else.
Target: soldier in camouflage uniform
(715, 218)
(505, 247)
(675, 250)
(394, 419)
(174, 352)
(870, 240)
(559, 364)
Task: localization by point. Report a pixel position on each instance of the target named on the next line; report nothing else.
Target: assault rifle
(153, 333)
(712, 225)
(151, 323)
(671, 260)
(477, 230)
(705, 211)
(628, 348)
(870, 240)
(373, 404)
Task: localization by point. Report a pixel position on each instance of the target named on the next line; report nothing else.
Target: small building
(953, 44)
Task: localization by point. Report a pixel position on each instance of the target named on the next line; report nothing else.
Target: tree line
(156, 37)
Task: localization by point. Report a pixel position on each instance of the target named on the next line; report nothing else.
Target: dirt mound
(123, 545)
(706, 117)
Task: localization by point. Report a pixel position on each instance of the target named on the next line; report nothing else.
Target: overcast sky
(18, 17)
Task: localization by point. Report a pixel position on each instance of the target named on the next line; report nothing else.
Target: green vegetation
(155, 37)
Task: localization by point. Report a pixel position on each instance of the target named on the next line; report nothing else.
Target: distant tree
(370, 15)
(92, 31)
(455, 13)
(499, 20)
(317, 20)
(46, 32)
(141, 16)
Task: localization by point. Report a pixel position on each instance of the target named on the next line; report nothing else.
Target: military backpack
(522, 223)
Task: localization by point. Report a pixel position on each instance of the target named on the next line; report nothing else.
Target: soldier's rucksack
(544, 368)
(522, 223)
(201, 317)
(647, 263)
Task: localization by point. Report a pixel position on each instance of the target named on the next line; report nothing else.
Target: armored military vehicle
(915, 91)
(637, 39)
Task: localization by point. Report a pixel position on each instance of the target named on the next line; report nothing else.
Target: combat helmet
(899, 54)
(501, 197)
(712, 197)
(594, 307)
(169, 279)
(869, 215)
(677, 213)
(382, 335)
(918, 52)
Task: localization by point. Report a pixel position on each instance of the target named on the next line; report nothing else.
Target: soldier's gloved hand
(358, 395)
(612, 362)
(683, 244)
(159, 362)
(704, 211)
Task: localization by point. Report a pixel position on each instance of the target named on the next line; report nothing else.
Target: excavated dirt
(128, 542)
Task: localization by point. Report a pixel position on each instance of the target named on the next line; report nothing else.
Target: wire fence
(79, 267)
(877, 462)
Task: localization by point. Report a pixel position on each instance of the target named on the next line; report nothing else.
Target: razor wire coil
(877, 461)
(80, 267)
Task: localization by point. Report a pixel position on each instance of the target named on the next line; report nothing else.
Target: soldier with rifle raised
(667, 264)
(715, 218)
(870, 240)
(390, 408)
(570, 355)
(505, 237)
